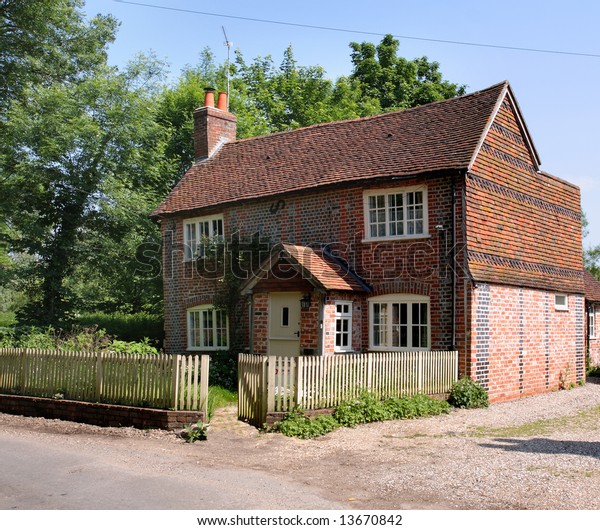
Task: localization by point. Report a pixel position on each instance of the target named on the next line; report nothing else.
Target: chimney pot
(222, 101)
(209, 97)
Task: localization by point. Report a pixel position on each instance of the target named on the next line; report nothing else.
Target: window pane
(194, 329)
(221, 329)
(377, 215)
(207, 329)
(190, 240)
(380, 325)
(403, 325)
(285, 316)
(395, 325)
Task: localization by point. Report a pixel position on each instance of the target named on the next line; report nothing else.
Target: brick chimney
(213, 126)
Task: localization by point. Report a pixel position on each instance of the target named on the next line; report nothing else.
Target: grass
(218, 398)
(585, 419)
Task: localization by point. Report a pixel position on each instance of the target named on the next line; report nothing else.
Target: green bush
(7, 318)
(593, 371)
(223, 369)
(468, 394)
(78, 339)
(364, 409)
(417, 406)
(367, 408)
(297, 425)
(127, 327)
(133, 348)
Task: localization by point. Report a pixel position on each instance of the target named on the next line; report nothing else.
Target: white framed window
(399, 322)
(561, 302)
(399, 213)
(198, 233)
(343, 326)
(207, 328)
(592, 322)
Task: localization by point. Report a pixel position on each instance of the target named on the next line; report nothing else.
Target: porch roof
(591, 286)
(322, 270)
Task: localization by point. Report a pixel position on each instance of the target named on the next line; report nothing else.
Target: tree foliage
(87, 151)
(396, 82)
(591, 254)
(76, 147)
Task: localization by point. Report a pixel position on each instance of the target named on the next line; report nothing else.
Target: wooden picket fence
(177, 382)
(279, 384)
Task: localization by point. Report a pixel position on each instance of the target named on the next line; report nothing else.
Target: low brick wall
(101, 414)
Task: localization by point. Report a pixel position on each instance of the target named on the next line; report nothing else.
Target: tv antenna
(229, 44)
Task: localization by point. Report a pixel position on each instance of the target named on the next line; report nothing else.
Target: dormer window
(399, 213)
(199, 234)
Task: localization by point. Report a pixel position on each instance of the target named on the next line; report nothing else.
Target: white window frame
(386, 325)
(592, 322)
(343, 326)
(388, 214)
(195, 236)
(203, 330)
(561, 302)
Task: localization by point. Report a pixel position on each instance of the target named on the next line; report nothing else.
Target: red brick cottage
(592, 307)
(429, 228)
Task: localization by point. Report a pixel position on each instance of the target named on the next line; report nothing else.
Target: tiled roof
(320, 269)
(442, 135)
(328, 272)
(591, 286)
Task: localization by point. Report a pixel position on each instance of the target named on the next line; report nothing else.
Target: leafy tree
(396, 82)
(591, 254)
(44, 42)
(294, 96)
(69, 142)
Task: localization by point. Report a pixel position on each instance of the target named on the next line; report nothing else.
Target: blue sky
(557, 93)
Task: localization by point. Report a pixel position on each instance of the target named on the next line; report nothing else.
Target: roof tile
(442, 135)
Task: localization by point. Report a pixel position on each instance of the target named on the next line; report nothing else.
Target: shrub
(468, 394)
(368, 408)
(223, 370)
(297, 425)
(365, 408)
(127, 327)
(416, 406)
(133, 348)
(593, 371)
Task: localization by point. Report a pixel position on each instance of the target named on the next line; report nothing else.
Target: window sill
(383, 349)
(198, 350)
(396, 238)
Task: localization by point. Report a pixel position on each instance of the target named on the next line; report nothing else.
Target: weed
(366, 408)
(297, 425)
(195, 431)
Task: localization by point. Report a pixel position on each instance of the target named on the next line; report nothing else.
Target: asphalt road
(64, 472)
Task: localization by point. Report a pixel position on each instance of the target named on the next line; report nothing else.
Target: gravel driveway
(541, 452)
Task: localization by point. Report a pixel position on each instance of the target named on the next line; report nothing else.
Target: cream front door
(284, 324)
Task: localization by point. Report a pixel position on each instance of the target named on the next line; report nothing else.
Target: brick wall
(521, 345)
(334, 217)
(523, 227)
(98, 413)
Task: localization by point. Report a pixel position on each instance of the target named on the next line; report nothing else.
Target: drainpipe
(453, 262)
(251, 322)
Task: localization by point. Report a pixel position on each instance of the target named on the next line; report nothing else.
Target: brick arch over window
(405, 287)
(202, 299)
